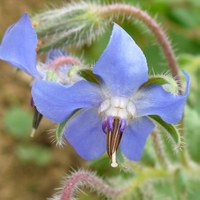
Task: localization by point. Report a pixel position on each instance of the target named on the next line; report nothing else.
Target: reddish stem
(86, 178)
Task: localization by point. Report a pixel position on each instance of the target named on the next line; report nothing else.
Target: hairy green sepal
(171, 131)
(88, 75)
(167, 81)
(62, 126)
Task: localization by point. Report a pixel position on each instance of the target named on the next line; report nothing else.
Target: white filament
(114, 160)
(33, 133)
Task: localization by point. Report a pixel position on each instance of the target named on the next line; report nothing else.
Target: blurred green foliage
(38, 154)
(18, 124)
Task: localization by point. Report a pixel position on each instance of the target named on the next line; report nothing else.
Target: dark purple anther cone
(114, 127)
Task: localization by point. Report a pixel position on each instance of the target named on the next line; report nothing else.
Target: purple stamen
(110, 123)
(122, 125)
(104, 126)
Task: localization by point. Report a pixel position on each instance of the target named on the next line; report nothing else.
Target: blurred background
(31, 168)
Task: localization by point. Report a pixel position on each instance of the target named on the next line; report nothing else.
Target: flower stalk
(82, 178)
(158, 149)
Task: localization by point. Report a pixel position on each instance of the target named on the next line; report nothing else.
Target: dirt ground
(21, 181)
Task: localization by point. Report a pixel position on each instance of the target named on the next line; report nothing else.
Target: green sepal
(167, 81)
(160, 80)
(172, 132)
(61, 127)
(60, 132)
(88, 75)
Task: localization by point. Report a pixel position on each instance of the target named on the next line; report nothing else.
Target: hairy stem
(88, 179)
(127, 10)
(183, 155)
(158, 149)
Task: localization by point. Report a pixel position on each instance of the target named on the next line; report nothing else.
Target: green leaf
(189, 62)
(36, 154)
(192, 119)
(194, 185)
(184, 17)
(180, 181)
(172, 132)
(88, 75)
(164, 189)
(18, 122)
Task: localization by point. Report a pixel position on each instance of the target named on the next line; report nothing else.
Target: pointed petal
(85, 134)
(154, 100)
(122, 66)
(18, 46)
(56, 102)
(134, 137)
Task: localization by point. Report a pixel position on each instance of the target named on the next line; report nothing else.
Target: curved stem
(127, 10)
(85, 178)
(183, 155)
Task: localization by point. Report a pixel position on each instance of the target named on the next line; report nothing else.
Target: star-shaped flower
(18, 47)
(115, 110)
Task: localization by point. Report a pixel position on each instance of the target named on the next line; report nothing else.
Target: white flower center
(120, 107)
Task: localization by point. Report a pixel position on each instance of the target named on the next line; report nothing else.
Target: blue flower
(117, 106)
(18, 48)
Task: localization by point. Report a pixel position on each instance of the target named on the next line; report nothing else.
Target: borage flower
(18, 48)
(116, 109)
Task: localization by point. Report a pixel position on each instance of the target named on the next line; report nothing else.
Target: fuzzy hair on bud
(73, 24)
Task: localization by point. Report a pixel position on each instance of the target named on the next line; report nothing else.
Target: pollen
(35, 24)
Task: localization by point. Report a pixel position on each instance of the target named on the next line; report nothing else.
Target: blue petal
(122, 66)
(154, 100)
(18, 46)
(56, 102)
(134, 137)
(85, 134)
